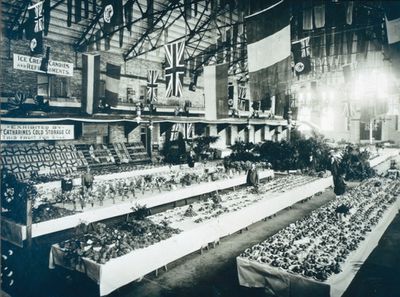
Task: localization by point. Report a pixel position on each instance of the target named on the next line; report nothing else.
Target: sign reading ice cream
(29, 63)
(11, 132)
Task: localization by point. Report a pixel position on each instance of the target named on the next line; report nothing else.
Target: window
(43, 85)
(53, 86)
(143, 91)
(60, 87)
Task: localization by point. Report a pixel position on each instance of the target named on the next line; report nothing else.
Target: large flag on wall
(392, 19)
(301, 56)
(152, 76)
(268, 49)
(175, 68)
(90, 82)
(113, 75)
(35, 28)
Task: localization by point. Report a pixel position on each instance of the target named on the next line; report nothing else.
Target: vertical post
(289, 122)
(29, 223)
(371, 126)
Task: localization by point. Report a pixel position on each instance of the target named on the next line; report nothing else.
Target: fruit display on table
(45, 212)
(219, 204)
(317, 246)
(107, 242)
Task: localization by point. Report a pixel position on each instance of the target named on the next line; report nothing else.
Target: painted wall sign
(14, 132)
(29, 63)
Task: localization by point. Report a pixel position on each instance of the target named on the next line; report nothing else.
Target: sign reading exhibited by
(14, 132)
(28, 63)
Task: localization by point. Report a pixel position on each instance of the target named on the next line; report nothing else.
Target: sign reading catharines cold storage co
(29, 63)
(15, 132)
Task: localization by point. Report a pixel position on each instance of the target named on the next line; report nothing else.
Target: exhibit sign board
(16, 132)
(29, 63)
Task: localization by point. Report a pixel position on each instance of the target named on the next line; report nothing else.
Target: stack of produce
(219, 204)
(45, 212)
(107, 242)
(318, 245)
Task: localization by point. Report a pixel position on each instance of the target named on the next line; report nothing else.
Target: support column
(355, 130)
(257, 135)
(234, 134)
(251, 134)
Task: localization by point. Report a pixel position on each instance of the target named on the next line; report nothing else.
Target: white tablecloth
(123, 270)
(281, 283)
(119, 209)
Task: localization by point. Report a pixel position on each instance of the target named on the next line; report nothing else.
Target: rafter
(85, 39)
(198, 29)
(145, 35)
(21, 15)
(132, 52)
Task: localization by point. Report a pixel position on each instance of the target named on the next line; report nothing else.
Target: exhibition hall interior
(206, 148)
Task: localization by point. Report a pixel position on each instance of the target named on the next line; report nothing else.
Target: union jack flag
(185, 128)
(152, 76)
(175, 68)
(242, 93)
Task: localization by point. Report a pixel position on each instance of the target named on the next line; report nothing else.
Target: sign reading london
(29, 63)
(13, 132)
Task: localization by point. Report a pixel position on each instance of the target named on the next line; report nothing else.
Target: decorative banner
(90, 82)
(9, 132)
(301, 56)
(35, 28)
(268, 49)
(113, 76)
(29, 63)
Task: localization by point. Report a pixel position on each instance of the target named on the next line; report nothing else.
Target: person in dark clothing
(190, 159)
(339, 186)
(87, 180)
(252, 178)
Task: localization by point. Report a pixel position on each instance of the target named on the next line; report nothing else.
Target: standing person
(252, 178)
(339, 186)
(190, 159)
(87, 180)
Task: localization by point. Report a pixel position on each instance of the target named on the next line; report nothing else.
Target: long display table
(122, 270)
(385, 155)
(118, 175)
(106, 212)
(281, 283)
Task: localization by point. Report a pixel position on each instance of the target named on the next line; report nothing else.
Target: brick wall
(116, 133)
(133, 73)
(134, 135)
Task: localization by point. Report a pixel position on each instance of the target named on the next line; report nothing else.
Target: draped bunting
(78, 11)
(301, 56)
(69, 13)
(307, 15)
(319, 15)
(128, 11)
(113, 75)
